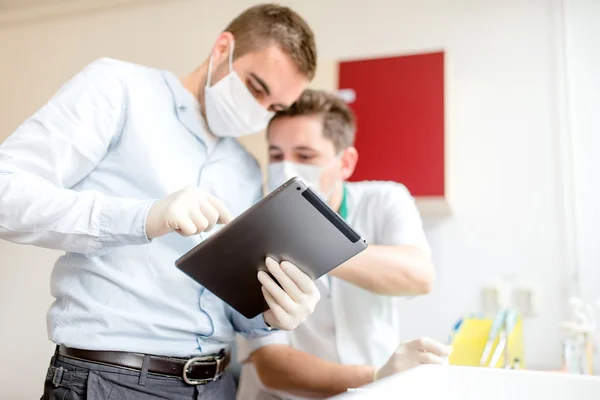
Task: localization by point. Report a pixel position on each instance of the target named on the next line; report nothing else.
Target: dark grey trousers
(80, 380)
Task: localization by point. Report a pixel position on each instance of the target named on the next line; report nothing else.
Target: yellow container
(470, 340)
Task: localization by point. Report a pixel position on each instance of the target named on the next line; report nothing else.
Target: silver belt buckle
(218, 360)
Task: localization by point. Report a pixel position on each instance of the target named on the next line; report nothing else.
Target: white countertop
(469, 383)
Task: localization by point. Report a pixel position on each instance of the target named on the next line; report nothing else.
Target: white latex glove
(293, 302)
(414, 353)
(187, 212)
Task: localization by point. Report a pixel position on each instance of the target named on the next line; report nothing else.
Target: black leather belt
(193, 371)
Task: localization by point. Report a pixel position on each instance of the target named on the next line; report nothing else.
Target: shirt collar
(187, 108)
(181, 96)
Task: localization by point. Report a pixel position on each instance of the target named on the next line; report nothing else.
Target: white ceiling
(12, 5)
(14, 12)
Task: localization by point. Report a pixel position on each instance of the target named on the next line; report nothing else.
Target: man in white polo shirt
(353, 336)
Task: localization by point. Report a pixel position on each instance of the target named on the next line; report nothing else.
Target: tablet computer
(292, 224)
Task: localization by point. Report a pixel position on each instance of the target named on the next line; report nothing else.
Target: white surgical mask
(231, 109)
(281, 172)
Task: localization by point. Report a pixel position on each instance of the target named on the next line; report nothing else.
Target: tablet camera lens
(298, 188)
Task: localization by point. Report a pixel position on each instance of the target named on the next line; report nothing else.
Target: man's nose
(265, 103)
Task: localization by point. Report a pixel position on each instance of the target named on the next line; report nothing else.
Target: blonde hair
(266, 24)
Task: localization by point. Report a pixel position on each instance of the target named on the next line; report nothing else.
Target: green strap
(344, 206)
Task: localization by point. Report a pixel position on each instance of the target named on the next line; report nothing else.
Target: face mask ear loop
(210, 64)
(231, 56)
(210, 67)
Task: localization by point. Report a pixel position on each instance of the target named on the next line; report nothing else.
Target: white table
(468, 383)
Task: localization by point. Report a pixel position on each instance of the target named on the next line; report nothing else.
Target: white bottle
(578, 343)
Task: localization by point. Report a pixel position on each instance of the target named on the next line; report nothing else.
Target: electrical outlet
(494, 296)
(526, 299)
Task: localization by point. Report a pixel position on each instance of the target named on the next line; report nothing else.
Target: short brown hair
(266, 24)
(339, 124)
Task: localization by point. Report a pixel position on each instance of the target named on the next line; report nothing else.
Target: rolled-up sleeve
(245, 346)
(403, 223)
(55, 149)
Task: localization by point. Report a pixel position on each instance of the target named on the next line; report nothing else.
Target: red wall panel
(399, 107)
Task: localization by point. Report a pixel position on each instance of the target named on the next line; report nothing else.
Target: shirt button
(181, 108)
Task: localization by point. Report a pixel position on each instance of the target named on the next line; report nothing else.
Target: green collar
(344, 205)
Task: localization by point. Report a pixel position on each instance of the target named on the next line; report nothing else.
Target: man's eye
(305, 157)
(275, 157)
(254, 90)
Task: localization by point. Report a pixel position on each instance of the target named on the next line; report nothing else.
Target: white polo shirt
(341, 330)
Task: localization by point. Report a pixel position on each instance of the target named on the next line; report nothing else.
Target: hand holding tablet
(293, 300)
(290, 224)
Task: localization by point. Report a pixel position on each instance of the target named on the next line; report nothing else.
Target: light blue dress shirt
(81, 174)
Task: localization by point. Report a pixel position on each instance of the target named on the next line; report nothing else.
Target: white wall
(502, 102)
(584, 105)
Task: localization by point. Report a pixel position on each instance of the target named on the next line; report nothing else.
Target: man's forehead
(303, 126)
(278, 72)
(291, 134)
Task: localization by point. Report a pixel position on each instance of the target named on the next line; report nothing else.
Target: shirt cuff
(122, 221)
(258, 327)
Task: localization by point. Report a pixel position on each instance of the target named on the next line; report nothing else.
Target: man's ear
(349, 159)
(220, 50)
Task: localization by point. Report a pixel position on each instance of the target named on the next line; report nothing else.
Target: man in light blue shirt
(83, 175)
